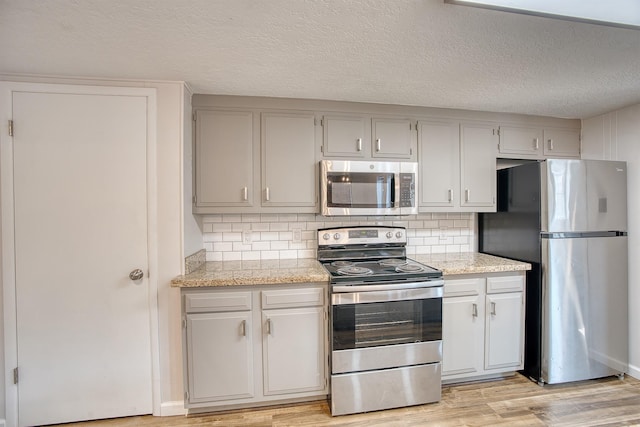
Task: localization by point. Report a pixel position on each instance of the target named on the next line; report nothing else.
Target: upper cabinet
(363, 137)
(457, 166)
(534, 142)
(224, 158)
(289, 172)
(248, 161)
(392, 138)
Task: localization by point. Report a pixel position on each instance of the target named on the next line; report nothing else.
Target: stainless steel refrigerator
(568, 218)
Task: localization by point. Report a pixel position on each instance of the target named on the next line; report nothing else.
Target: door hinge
(10, 127)
(184, 323)
(186, 395)
(15, 375)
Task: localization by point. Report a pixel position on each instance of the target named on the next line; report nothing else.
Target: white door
(80, 215)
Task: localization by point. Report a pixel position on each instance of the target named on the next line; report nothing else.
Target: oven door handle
(348, 298)
(386, 287)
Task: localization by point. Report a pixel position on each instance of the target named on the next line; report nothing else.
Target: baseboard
(634, 372)
(171, 409)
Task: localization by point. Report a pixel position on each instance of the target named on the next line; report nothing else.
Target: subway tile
(423, 233)
(461, 240)
(461, 223)
(250, 256)
(453, 249)
(278, 226)
(232, 237)
(430, 224)
(221, 227)
(260, 226)
(222, 246)
(297, 245)
(261, 246)
(214, 256)
(269, 235)
(231, 218)
(240, 226)
(279, 245)
(269, 255)
(307, 253)
(415, 224)
(411, 251)
(241, 247)
(207, 228)
(415, 241)
(291, 217)
(212, 218)
(438, 249)
(288, 254)
(285, 235)
(306, 217)
(212, 237)
(232, 256)
(423, 250)
(424, 216)
(250, 217)
(445, 223)
(268, 217)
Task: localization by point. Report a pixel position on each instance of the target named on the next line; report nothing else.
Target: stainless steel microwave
(368, 188)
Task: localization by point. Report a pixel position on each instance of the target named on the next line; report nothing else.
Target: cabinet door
(289, 175)
(439, 154)
(462, 335)
(220, 356)
(224, 158)
(504, 330)
(520, 142)
(478, 146)
(562, 143)
(392, 138)
(293, 350)
(343, 136)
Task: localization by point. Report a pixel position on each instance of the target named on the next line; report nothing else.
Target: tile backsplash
(233, 237)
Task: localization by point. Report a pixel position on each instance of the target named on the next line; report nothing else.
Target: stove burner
(409, 268)
(392, 262)
(342, 263)
(354, 270)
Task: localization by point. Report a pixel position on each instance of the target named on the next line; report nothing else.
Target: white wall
(616, 136)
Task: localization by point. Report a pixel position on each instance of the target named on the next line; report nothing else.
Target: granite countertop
(242, 273)
(470, 263)
(265, 272)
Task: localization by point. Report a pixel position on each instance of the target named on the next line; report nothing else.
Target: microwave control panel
(407, 190)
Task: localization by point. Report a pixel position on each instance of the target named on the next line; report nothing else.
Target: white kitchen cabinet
(537, 142)
(392, 138)
(561, 143)
(224, 158)
(439, 163)
(262, 345)
(457, 166)
(478, 145)
(289, 172)
(345, 136)
(220, 356)
(482, 326)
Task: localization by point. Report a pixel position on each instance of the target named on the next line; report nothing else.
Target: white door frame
(8, 238)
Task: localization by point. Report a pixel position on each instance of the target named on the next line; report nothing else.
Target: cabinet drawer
(217, 301)
(462, 287)
(284, 298)
(505, 284)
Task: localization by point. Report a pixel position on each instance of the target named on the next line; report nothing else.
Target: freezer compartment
(585, 308)
(389, 388)
(583, 195)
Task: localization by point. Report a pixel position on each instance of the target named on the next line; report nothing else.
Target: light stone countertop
(265, 272)
(243, 273)
(470, 263)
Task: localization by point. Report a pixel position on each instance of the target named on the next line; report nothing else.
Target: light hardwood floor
(515, 401)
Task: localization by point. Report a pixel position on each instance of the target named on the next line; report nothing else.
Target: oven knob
(326, 236)
(399, 234)
(336, 236)
(389, 234)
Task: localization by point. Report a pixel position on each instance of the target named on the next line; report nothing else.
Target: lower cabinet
(262, 345)
(482, 326)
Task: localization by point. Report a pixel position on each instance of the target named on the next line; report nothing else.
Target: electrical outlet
(443, 233)
(246, 237)
(297, 235)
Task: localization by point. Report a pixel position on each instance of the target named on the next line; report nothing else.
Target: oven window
(360, 190)
(386, 323)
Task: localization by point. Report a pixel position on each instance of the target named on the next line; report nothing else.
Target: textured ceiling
(413, 52)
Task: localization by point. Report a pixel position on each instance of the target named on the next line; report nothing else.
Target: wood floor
(515, 401)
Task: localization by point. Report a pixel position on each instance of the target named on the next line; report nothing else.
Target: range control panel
(363, 235)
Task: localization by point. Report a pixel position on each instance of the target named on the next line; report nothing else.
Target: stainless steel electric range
(386, 320)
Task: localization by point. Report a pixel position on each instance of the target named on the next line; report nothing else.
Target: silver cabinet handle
(467, 194)
(136, 274)
(537, 141)
(243, 328)
(550, 144)
(450, 194)
(269, 327)
(359, 146)
(266, 194)
(245, 194)
(493, 308)
(378, 144)
(474, 312)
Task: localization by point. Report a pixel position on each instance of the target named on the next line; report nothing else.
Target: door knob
(136, 274)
